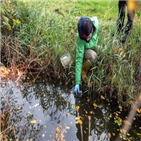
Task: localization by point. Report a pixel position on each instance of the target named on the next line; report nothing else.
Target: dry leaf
(91, 112)
(43, 135)
(35, 105)
(77, 118)
(88, 100)
(102, 97)
(67, 127)
(138, 110)
(120, 50)
(80, 121)
(109, 135)
(4, 72)
(33, 121)
(2, 116)
(77, 108)
(95, 105)
(19, 108)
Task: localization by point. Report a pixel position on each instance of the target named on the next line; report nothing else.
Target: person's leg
(129, 25)
(89, 58)
(121, 15)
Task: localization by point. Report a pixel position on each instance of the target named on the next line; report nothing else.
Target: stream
(40, 107)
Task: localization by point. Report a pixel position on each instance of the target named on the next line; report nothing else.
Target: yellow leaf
(67, 127)
(33, 121)
(35, 105)
(138, 110)
(95, 105)
(113, 134)
(19, 108)
(110, 115)
(80, 121)
(132, 4)
(77, 108)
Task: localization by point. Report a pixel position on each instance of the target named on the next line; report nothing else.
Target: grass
(48, 29)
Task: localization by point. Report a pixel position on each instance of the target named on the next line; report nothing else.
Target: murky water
(47, 106)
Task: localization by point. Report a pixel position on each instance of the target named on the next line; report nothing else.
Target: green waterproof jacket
(81, 45)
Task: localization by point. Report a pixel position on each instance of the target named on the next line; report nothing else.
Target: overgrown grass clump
(45, 30)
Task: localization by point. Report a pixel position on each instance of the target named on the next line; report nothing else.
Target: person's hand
(76, 89)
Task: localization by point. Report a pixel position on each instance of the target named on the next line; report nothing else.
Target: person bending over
(86, 43)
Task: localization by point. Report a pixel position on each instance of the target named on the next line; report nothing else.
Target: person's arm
(79, 59)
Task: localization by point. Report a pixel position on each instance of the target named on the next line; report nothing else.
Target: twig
(6, 129)
(127, 124)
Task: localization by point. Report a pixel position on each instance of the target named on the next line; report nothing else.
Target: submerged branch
(127, 124)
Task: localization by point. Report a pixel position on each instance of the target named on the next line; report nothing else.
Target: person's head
(87, 29)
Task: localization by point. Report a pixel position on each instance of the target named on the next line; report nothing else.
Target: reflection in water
(93, 127)
(49, 106)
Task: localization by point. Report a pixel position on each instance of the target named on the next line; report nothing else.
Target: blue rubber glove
(76, 89)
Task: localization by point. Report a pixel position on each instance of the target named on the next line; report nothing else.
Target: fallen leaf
(110, 115)
(68, 114)
(88, 100)
(19, 108)
(138, 110)
(77, 108)
(95, 105)
(109, 135)
(102, 97)
(77, 118)
(91, 112)
(33, 121)
(80, 121)
(4, 72)
(35, 105)
(139, 134)
(2, 116)
(67, 127)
